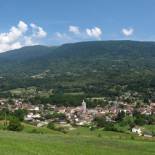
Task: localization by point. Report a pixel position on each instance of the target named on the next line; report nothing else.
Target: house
(32, 116)
(137, 130)
(34, 108)
(145, 110)
(60, 110)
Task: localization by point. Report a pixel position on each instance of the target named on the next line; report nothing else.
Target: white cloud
(14, 33)
(16, 45)
(95, 32)
(59, 35)
(20, 35)
(77, 34)
(22, 26)
(74, 29)
(62, 37)
(6, 47)
(127, 31)
(38, 31)
(29, 41)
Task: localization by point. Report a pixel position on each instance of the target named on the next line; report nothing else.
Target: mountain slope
(101, 67)
(25, 53)
(143, 52)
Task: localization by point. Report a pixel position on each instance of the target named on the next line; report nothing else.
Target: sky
(54, 22)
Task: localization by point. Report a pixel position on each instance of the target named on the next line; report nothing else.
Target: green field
(77, 142)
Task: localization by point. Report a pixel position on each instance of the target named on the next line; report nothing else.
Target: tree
(100, 121)
(109, 126)
(51, 125)
(141, 120)
(20, 114)
(15, 125)
(128, 120)
(120, 116)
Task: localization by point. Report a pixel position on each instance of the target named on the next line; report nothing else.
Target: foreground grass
(77, 142)
(150, 128)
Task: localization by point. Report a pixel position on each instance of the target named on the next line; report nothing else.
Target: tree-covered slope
(100, 67)
(133, 53)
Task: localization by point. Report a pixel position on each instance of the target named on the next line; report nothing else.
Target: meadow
(80, 141)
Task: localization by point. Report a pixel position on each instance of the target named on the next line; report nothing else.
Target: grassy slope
(150, 127)
(77, 142)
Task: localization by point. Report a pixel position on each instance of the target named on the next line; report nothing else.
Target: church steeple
(84, 107)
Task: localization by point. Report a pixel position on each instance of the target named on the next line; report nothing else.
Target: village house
(152, 106)
(137, 130)
(31, 116)
(80, 115)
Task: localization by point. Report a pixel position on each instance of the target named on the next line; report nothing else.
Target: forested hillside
(99, 68)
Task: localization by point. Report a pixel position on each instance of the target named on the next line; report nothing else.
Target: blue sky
(55, 22)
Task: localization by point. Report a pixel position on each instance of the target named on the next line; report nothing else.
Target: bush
(100, 121)
(51, 126)
(92, 128)
(61, 129)
(15, 125)
(110, 127)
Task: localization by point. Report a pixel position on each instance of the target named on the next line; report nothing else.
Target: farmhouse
(137, 130)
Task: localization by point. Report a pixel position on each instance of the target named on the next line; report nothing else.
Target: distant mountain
(143, 52)
(25, 53)
(23, 59)
(100, 65)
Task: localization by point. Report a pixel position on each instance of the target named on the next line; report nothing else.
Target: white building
(137, 130)
(32, 116)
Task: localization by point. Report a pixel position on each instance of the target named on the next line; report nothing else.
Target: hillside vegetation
(99, 68)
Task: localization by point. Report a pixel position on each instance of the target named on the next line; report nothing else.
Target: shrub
(92, 128)
(100, 121)
(61, 129)
(15, 125)
(51, 126)
(110, 127)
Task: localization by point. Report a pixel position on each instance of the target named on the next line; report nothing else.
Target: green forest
(107, 69)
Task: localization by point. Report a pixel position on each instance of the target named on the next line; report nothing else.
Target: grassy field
(150, 127)
(80, 141)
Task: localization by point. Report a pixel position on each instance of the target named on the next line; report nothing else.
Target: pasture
(80, 141)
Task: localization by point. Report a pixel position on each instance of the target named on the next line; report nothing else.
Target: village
(41, 115)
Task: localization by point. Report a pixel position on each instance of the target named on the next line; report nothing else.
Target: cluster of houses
(80, 115)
